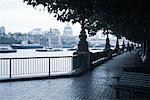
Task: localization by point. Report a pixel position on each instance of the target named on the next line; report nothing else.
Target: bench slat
(134, 84)
(135, 79)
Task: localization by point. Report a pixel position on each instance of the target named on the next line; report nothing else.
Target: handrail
(39, 57)
(35, 65)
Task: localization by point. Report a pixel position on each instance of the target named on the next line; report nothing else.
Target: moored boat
(7, 50)
(29, 46)
(57, 49)
(71, 49)
(25, 45)
(43, 50)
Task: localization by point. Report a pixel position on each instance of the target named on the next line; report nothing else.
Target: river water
(34, 53)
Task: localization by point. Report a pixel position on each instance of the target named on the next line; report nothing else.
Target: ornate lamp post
(123, 46)
(107, 46)
(117, 44)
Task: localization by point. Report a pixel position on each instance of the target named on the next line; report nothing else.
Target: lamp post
(117, 45)
(107, 46)
(123, 46)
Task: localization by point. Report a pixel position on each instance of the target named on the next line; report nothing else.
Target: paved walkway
(93, 85)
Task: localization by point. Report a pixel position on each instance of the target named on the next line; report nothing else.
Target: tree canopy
(129, 18)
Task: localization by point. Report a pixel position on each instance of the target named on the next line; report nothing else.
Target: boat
(25, 45)
(7, 50)
(71, 49)
(44, 50)
(49, 49)
(29, 46)
(57, 49)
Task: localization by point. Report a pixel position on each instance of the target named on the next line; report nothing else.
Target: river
(34, 53)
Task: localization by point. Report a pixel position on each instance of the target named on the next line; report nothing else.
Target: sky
(17, 16)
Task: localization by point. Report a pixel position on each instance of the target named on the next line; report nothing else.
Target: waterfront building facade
(68, 40)
(99, 40)
(2, 31)
(54, 38)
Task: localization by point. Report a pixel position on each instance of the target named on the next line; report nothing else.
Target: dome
(67, 27)
(67, 30)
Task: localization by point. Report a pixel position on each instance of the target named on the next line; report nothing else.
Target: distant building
(36, 31)
(68, 40)
(99, 40)
(36, 36)
(2, 31)
(54, 38)
(68, 30)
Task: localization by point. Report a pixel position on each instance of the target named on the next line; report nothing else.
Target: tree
(128, 18)
(70, 10)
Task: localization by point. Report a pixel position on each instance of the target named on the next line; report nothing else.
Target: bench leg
(130, 94)
(117, 94)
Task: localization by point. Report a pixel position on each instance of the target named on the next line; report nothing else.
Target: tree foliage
(129, 18)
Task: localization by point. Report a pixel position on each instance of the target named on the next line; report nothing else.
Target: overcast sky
(16, 16)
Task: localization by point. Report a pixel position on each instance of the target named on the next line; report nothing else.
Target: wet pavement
(93, 85)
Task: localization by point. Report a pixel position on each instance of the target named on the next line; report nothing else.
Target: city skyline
(17, 16)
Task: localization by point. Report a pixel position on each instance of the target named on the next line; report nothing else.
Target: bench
(138, 68)
(134, 83)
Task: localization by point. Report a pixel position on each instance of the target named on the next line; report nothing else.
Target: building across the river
(54, 39)
(68, 40)
(2, 31)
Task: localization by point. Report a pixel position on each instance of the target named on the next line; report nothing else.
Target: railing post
(75, 62)
(10, 68)
(49, 66)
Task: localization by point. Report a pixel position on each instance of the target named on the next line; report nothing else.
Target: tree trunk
(117, 45)
(83, 45)
(123, 46)
(146, 52)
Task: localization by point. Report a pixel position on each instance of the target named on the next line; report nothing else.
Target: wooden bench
(133, 83)
(138, 68)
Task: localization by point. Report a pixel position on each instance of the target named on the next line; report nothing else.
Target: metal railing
(96, 58)
(30, 66)
(34, 66)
